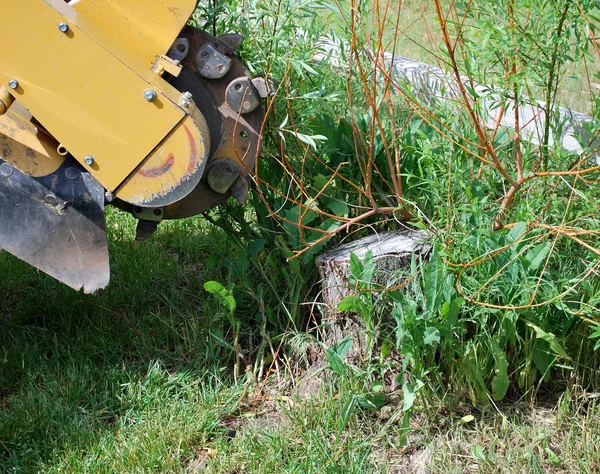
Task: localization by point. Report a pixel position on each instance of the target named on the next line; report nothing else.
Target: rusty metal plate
(56, 223)
(235, 137)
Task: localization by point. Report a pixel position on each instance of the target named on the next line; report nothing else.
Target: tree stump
(392, 252)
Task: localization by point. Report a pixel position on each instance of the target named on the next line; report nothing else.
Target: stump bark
(392, 252)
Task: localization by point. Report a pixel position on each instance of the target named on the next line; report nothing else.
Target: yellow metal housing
(146, 29)
(26, 147)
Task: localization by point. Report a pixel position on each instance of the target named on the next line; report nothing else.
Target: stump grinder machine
(115, 102)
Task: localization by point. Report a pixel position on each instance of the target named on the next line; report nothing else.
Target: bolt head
(109, 197)
(187, 95)
(72, 173)
(13, 83)
(89, 160)
(184, 103)
(149, 95)
(51, 199)
(6, 169)
(63, 27)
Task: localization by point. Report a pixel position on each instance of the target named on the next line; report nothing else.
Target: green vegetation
(486, 360)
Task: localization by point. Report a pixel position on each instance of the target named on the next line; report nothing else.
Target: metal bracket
(211, 63)
(242, 96)
(166, 64)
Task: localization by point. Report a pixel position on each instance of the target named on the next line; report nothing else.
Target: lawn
(482, 363)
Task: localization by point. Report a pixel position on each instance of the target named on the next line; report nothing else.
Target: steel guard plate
(56, 223)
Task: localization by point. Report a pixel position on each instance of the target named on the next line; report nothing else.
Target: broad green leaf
(537, 254)
(335, 362)
(552, 457)
(343, 347)
(431, 336)
(371, 402)
(222, 293)
(449, 312)
(466, 419)
(356, 267)
(350, 303)
(433, 276)
(409, 396)
(517, 231)
(409, 392)
(368, 267)
(339, 208)
(479, 453)
(550, 339)
(385, 350)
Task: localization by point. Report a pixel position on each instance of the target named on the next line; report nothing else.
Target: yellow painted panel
(146, 29)
(90, 101)
(173, 169)
(22, 145)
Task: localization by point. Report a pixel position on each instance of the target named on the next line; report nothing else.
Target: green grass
(139, 378)
(130, 381)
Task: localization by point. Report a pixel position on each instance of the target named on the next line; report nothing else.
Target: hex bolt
(63, 27)
(89, 160)
(187, 95)
(109, 197)
(13, 83)
(150, 95)
(184, 103)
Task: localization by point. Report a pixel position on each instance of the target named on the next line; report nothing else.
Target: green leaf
(222, 293)
(371, 402)
(466, 419)
(335, 362)
(500, 382)
(517, 231)
(479, 453)
(348, 410)
(550, 339)
(339, 208)
(449, 312)
(433, 276)
(350, 303)
(356, 267)
(552, 457)
(368, 267)
(343, 347)
(385, 350)
(217, 336)
(596, 335)
(409, 392)
(537, 254)
(431, 336)
(409, 396)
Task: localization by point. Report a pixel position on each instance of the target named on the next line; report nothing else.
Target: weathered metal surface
(25, 146)
(234, 137)
(173, 169)
(56, 223)
(242, 95)
(81, 90)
